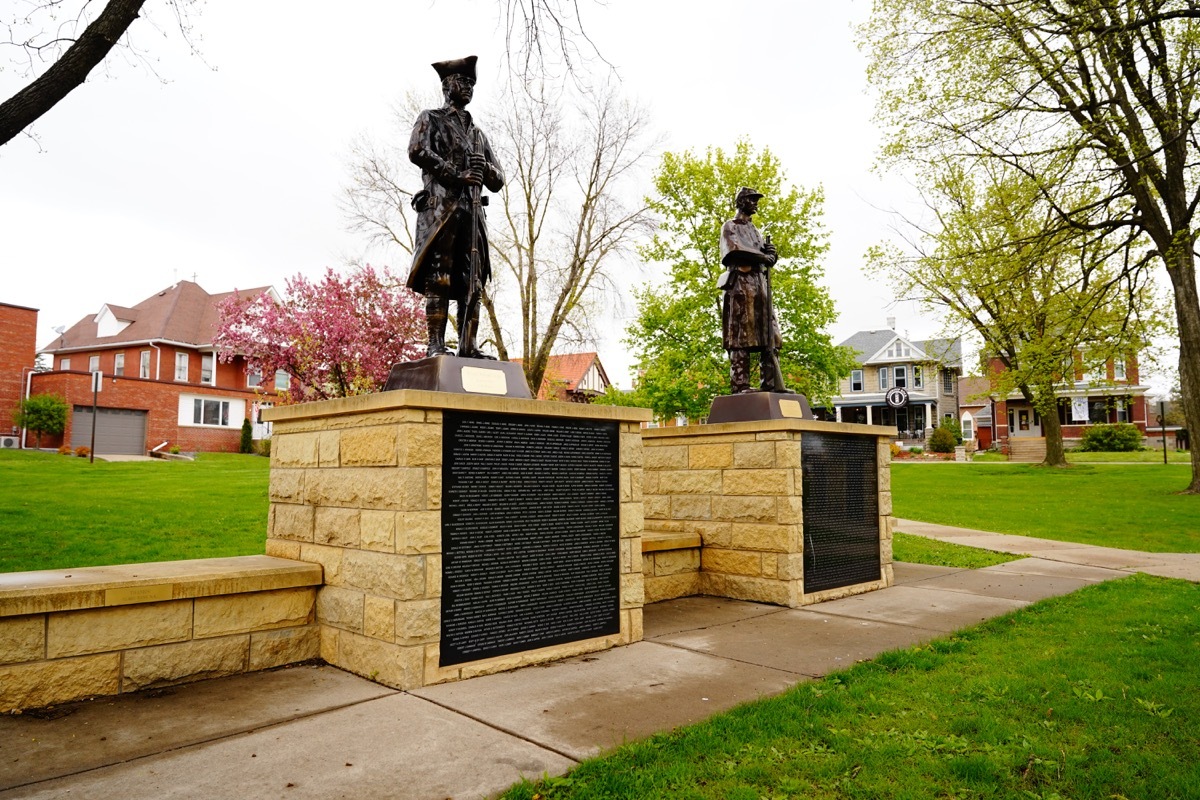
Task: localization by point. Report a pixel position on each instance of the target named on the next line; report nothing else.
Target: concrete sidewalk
(318, 732)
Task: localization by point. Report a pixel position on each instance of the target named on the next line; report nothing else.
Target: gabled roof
(869, 345)
(974, 391)
(566, 371)
(182, 313)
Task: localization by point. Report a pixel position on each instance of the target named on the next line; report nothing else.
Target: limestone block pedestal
(357, 486)
(741, 488)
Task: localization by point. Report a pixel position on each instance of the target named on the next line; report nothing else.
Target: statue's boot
(739, 371)
(468, 349)
(436, 315)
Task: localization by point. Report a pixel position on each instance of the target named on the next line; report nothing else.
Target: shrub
(42, 413)
(65, 450)
(955, 427)
(83, 452)
(942, 440)
(1119, 438)
(916, 451)
(247, 443)
(264, 447)
(895, 449)
(174, 450)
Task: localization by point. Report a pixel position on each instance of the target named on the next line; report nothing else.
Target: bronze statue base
(756, 406)
(460, 375)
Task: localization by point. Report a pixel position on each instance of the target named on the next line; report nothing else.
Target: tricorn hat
(745, 192)
(457, 66)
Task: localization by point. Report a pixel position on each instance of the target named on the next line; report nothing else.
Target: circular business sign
(897, 397)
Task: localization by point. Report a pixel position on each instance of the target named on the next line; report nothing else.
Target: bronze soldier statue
(450, 254)
(747, 314)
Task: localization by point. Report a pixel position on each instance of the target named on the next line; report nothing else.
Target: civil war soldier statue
(747, 314)
(450, 254)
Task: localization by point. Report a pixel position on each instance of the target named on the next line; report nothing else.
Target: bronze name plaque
(841, 510)
(530, 533)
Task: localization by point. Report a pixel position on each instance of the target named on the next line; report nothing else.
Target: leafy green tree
(677, 333)
(42, 413)
(1038, 292)
(1087, 93)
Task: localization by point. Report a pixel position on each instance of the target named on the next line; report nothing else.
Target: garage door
(118, 430)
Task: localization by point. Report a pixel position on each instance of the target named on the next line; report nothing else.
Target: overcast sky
(229, 166)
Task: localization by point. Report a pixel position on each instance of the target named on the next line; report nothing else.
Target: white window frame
(144, 364)
(900, 376)
(93, 363)
(1120, 371)
(119, 364)
(181, 366)
(1122, 406)
(64, 364)
(967, 425)
(253, 378)
(918, 378)
(883, 378)
(283, 381)
(211, 360)
(947, 382)
(229, 412)
(856, 380)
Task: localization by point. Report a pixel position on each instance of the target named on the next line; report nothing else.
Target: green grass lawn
(1133, 506)
(919, 550)
(60, 511)
(1024, 706)
(1140, 456)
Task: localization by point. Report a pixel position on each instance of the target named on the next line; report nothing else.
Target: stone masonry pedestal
(740, 488)
(357, 487)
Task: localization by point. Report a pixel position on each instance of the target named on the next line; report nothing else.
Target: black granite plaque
(530, 533)
(841, 510)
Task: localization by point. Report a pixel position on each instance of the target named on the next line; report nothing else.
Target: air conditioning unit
(9, 441)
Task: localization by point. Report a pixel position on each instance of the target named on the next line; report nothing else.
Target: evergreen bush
(942, 440)
(247, 443)
(1119, 438)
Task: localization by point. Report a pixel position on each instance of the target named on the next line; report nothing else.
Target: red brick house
(1107, 396)
(572, 378)
(163, 385)
(18, 354)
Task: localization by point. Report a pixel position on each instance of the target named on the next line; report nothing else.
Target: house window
(918, 378)
(144, 365)
(883, 378)
(210, 412)
(1097, 412)
(181, 366)
(947, 382)
(206, 368)
(901, 377)
(899, 349)
(119, 364)
(968, 426)
(253, 378)
(93, 363)
(282, 381)
(1119, 373)
(64, 363)
(1123, 409)
(856, 380)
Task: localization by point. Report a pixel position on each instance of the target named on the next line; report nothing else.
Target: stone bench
(74, 633)
(670, 564)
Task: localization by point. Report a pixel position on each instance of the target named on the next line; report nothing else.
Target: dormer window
(898, 349)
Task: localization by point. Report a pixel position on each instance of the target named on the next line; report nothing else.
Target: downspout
(28, 388)
(157, 358)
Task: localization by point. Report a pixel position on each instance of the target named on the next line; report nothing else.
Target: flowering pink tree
(335, 338)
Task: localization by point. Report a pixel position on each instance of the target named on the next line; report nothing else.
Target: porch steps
(1027, 449)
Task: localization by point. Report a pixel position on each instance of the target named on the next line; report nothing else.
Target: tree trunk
(1187, 314)
(1052, 430)
(23, 108)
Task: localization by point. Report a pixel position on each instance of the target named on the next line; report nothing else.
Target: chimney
(891, 322)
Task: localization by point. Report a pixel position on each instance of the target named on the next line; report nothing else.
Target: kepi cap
(457, 66)
(745, 192)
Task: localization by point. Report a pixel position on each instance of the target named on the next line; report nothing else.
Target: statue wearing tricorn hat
(450, 251)
(747, 313)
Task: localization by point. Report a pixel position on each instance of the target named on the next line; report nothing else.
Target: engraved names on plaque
(530, 533)
(841, 510)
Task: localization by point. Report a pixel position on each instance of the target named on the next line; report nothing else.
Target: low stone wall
(69, 634)
(670, 565)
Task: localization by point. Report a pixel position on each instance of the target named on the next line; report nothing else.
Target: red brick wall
(159, 398)
(18, 352)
